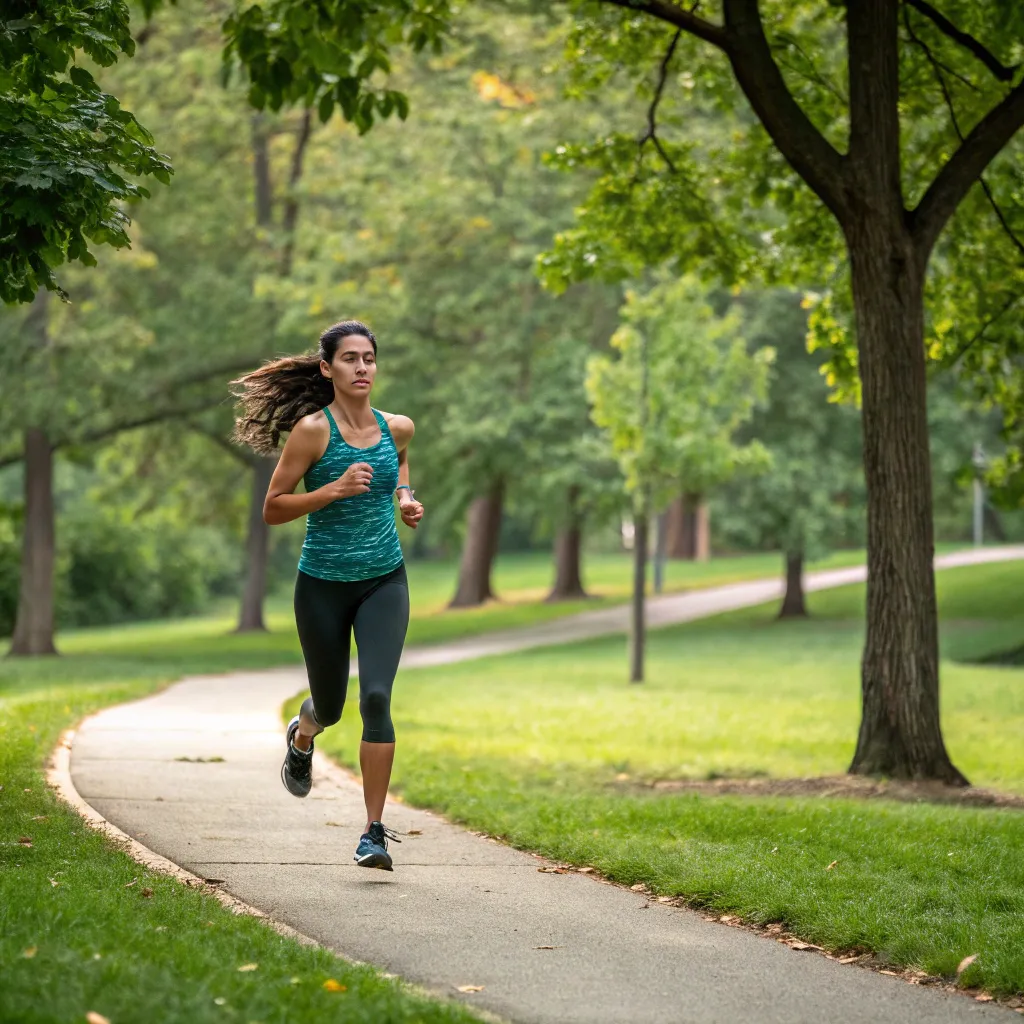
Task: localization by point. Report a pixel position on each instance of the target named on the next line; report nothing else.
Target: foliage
(68, 151)
(811, 496)
(671, 400)
(329, 54)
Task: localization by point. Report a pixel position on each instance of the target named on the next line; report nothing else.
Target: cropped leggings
(326, 612)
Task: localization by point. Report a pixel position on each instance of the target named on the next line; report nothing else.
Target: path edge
(58, 778)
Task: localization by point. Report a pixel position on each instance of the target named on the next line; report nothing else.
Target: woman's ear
(325, 368)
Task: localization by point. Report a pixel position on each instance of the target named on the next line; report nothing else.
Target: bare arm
(305, 444)
(402, 429)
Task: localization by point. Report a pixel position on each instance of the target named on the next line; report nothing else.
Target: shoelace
(380, 833)
(299, 767)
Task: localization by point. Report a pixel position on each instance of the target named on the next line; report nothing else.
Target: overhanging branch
(683, 19)
(652, 123)
(965, 167)
(1001, 71)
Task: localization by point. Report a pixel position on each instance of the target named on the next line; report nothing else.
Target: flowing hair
(277, 395)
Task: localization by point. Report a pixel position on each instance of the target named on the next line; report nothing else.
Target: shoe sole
(293, 726)
(375, 860)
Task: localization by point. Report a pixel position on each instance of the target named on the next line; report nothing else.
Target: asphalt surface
(460, 909)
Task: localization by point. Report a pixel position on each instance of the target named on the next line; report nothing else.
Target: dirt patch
(856, 787)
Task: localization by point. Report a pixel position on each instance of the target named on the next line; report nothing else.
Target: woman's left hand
(412, 512)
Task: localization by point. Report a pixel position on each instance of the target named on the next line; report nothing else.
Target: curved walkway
(460, 909)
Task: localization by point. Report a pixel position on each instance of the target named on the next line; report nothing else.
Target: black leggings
(326, 611)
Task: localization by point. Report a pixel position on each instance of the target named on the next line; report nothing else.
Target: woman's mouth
(361, 383)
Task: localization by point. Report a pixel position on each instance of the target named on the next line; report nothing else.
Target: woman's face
(354, 366)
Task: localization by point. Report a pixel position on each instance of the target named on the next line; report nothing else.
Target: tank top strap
(333, 426)
(382, 422)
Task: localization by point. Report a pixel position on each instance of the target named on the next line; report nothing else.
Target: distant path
(461, 910)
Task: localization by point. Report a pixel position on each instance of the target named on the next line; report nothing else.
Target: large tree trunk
(33, 627)
(900, 736)
(568, 540)
(688, 534)
(479, 549)
(793, 602)
(637, 627)
(250, 618)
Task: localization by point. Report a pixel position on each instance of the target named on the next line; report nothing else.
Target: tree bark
(257, 548)
(637, 626)
(793, 602)
(33, 627)
(900, 734)
(568, 582)
(688, 526)
(479, 549)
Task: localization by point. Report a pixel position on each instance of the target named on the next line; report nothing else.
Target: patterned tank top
(353, 538)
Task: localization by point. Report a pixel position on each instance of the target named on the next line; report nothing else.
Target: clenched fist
(411, 511)
(355, 480)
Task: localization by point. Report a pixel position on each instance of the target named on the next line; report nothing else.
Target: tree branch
(953, 359)
(810, 154)
(291, 204)
(652, 124)
(685, 20)
(947, 28)
(948, 98)
(965, 166)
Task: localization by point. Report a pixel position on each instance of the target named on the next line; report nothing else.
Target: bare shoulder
(402, 427)
(311, 431)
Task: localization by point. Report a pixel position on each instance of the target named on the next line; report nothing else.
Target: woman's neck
(356, 412)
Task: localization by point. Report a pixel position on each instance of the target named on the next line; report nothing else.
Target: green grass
(101, 946)
(158, 957)
(528, 747)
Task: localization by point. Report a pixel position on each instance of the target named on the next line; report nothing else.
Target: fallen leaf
(848, 959)
(219, 1001)
(334, 824)
(295, 980)
(54, 882)
(775, 849)
(214, 881)
(26, 790)
(24, 841)
(470, 988)
(729, 919)
(774, 929)
(30, 952)
(134, 881)
(797, 944)
(552, 871)
(334, 986)
(665, 899)
(639, 887)
(414, 832)
(146, 893)
(40, 817)
(247, 967)
(622, 777)
(965, 963)
(585, 871)
(96, 1018)
(832, 865)
(983, 998)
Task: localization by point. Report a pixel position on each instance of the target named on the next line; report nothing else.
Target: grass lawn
(532, 747)
(88, 943)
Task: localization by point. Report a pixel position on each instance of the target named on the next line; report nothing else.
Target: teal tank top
(353, 538)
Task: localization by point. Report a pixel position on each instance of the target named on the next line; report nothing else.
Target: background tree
(811, 496)
(670, 402)
(859, 180)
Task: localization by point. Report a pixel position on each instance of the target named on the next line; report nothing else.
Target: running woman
(353, 459)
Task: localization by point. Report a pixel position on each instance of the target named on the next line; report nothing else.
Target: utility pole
(980, 462)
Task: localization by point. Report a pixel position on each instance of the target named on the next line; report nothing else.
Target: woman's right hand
(355, 480)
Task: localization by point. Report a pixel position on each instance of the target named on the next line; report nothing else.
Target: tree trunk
(793, 602)
(568, 582)
(250, 618)
(479, 549)
(637, 631)
(33, 627)
(900, 735)
(688, 529)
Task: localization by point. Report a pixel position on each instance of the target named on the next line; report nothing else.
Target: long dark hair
(277, 395)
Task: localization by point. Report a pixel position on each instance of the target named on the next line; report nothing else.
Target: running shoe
(372, 851)
(297, 770)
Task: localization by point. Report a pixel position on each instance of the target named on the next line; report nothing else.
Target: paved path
(459, 910)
